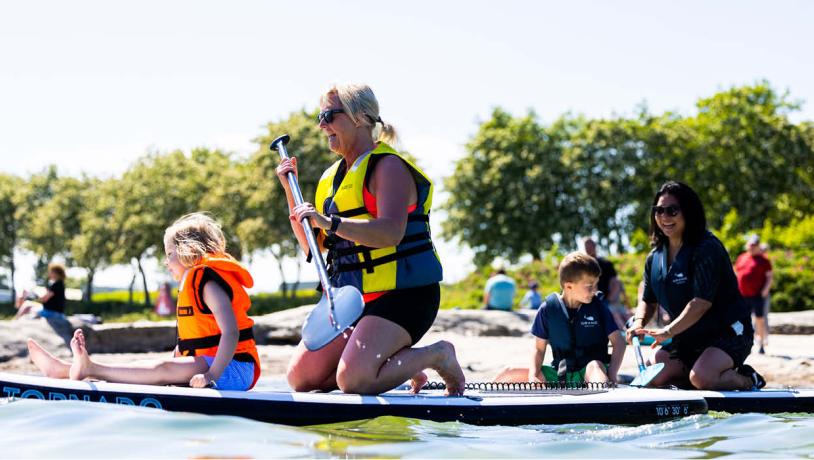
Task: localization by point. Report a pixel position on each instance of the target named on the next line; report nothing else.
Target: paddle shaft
(280, 145)
(637, 350)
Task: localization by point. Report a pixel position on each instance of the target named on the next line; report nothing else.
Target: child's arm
(536, 369)
(618, 343)
(217, 300)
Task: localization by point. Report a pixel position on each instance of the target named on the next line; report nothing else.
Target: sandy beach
(788, 362)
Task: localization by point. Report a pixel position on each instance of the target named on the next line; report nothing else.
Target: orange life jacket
(198, 332)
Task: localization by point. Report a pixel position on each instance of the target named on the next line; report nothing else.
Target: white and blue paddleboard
(480, 407)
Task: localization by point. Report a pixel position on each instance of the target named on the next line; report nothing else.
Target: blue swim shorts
(237, 376)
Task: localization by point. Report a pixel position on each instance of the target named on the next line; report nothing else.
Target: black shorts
(414, 309)
(757, 305)
(737, 347)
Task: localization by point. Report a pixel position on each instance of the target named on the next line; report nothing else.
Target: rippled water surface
(33, 428)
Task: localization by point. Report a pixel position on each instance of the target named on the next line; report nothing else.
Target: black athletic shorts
(414, 309)
(737, 347)
(757, 305)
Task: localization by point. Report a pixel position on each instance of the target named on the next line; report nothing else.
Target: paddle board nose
(324, 324)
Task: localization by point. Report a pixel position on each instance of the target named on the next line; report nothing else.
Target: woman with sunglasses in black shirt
(690, 274)
(372, 211)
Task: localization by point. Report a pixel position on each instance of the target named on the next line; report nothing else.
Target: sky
(92, 85)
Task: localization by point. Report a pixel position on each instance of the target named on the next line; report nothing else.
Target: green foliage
(524, 186)
(507, 195)
(793, 273)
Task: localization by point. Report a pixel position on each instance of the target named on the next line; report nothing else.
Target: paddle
(646, 373)
(339, 307)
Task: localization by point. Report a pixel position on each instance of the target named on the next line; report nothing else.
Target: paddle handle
(279, 144)
(637, 350)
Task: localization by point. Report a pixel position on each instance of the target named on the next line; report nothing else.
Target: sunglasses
(671, 210)
(328, 115)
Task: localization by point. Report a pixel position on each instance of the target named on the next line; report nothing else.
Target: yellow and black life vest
(412, 262)
(198, 332)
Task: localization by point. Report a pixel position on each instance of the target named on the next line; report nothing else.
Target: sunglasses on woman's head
(328, 115)
(671, 210)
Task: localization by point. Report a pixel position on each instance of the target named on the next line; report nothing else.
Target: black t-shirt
(57, 301)
(705, 272)
(608, 272)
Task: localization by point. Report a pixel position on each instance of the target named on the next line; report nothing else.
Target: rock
(794, 322)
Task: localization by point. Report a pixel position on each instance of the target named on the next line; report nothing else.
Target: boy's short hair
(576, 265)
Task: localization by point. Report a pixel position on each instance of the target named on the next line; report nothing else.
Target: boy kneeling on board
(578, 326)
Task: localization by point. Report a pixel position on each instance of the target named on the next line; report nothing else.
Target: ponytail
(388, 134)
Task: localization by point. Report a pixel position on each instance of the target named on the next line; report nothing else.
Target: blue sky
(91, 86)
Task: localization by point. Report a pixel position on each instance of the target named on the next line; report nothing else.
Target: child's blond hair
(193, 236)
(577, 264)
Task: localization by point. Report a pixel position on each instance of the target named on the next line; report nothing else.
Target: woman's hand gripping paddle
(646, 373)
(338, 308)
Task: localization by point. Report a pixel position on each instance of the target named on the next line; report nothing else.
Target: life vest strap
(368, 265)
(352, 212)
(360, 249)
(190, 345)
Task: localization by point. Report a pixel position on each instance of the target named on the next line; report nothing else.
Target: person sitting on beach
(215, 346)
(578, 327)
(52, 303)
(532, 298)
(498, 294)
(689, 273)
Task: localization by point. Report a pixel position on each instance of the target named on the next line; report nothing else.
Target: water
(72, 429)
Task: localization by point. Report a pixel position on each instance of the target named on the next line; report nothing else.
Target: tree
(751, 157)
(266, 226)
(51, 221)
(151, 195)
(510, 195)
(11, 197)
(93, 247)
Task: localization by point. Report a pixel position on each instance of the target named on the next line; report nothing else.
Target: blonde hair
(577, 264)
(57, 269)
(193, 236)
(361, 106)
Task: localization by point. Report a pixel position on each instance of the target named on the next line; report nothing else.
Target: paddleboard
(480, 407)
(766, 401)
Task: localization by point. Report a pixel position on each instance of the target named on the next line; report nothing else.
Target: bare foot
(449, 369)
(81, 360)
(48, 364)
(417, 382)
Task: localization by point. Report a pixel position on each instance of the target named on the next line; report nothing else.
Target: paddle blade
(318, 330)
(647, 375)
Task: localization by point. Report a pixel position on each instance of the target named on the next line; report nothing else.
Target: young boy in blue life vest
(215, 346)
(577, 325)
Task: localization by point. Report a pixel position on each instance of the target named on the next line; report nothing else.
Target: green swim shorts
(576, 377)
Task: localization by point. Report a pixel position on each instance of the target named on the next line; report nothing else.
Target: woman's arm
(644, 312)
(286, 166)
(218, 301)
(695, 309)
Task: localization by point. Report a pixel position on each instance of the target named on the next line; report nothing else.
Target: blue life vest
(579, 341)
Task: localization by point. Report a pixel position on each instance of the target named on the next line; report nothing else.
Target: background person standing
(754, 272)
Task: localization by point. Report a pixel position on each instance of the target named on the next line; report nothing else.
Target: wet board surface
(618, 406)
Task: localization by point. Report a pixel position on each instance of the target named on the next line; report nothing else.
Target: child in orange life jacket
(215, 343)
